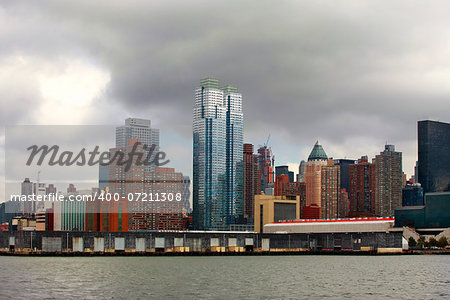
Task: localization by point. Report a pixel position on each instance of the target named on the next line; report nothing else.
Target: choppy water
(261, 277)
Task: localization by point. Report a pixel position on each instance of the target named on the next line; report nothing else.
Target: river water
(226, 277)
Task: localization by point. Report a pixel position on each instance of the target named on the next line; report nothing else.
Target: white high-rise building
(218, 156)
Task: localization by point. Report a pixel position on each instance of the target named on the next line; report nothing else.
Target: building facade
(330, 191)
(217, 156)
(313, 178)
(388, 181)
(252, 182)
(362, 188)
(412, 195)
(434, 159)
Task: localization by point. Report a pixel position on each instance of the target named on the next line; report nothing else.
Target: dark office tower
(344, 165)
(252, 182)
(434, 156)
(388, 181)
(412, 195)
(281, 170)
(291, 176)
(362, 188)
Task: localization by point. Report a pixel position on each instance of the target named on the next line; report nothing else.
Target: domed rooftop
(317, 153)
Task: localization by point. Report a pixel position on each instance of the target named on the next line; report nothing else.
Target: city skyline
(353, 88)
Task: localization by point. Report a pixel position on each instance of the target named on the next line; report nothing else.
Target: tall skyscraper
(362, 188)
(388, 181)
(217, 156)
(434, 156)
(330, 191)
(317, 158)
(252, 182)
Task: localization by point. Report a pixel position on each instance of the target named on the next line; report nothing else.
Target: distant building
(281, 170)
(412, 195)
(434, 214)
(252, 182)
(291, 189)
(186, 194)
(330, 192)
(362, 188)
(141, 129)
(71, 189)
(50, 189)
(388, 182)
(265, 166)
(313, 177)
(344, 165)
(312, 211)
(103, 177)
(27, 189)
(217, 156)
(301, 171)
(434, 158)
(344, 204)
(156, 182)
(271, 209)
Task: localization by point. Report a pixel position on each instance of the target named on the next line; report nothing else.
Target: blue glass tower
(217, 156)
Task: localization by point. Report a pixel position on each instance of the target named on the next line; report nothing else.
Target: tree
(442, 242)
(432, 242)
(421, 241)
(412, 242)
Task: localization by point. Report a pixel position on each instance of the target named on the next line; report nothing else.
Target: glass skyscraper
(434, 156)
(217, 156)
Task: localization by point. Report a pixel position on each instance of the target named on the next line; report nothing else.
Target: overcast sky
(351, 74)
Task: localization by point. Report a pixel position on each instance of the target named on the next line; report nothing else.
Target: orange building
(107, 216)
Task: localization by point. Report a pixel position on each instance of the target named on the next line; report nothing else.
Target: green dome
(317, 153)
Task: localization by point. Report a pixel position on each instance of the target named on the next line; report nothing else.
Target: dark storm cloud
(334, 70)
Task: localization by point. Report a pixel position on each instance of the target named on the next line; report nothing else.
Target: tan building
(313, 176)
(330, 191)
(269, 209)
